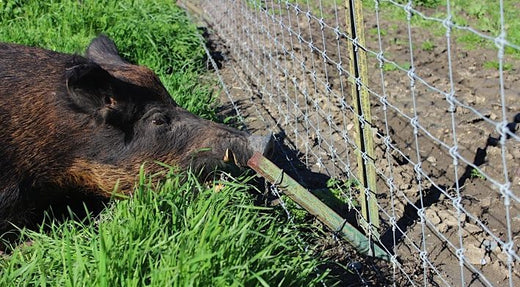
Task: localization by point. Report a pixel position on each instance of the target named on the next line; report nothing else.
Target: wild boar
(72, 127)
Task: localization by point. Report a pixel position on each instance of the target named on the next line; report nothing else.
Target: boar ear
(103, 50)
(90, 90)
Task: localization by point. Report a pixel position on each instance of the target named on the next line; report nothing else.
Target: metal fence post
(361, 102)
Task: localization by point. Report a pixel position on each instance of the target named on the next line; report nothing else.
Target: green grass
(152, 33)
(374, 32)
(319, 10)
(389, 67)
(494, 65)
(173, 232)
(484, 16)
(428, 46)
(346, 191)
(177, 233)
(476, 174)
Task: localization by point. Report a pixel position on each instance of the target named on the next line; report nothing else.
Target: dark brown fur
(75, 126)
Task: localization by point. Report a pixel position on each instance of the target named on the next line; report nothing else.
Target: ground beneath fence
(344, 263)
(484, 219)
(476, 86)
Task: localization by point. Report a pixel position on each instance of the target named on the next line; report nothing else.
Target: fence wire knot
(456, 203)
(418, 170)
(329, 119)
(454, 152)
(316, 104)
(319, 162)
(365, 157)
(408, 9)
(387, 140)
(448, 24)
(362, 121)
(509, 249)
(328, 87)
(344, 134)
(383, 101)
(356, 44)
(503, 129)
(390, 182)
(411, 75)
(339, 68)
(308, 15)
(394, 260)
(501, 41)
(505, 190)
(368, 193)
(460, 254)
(424, 256)
(414, 122)
(313, 75)
(422, 214)
(381, 59)
(337, 32)
(333, 151)
(376, 4)
(322, 23)
(300, 38)
(343, 103)
(450, 98)
(392, 221)
(297, 9)
(324, 55)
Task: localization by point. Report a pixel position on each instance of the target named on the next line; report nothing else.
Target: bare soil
(280, 70)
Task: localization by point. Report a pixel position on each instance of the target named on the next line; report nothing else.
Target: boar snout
(235, 162)
(262, 144)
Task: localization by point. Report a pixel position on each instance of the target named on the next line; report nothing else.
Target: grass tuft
(175, 233)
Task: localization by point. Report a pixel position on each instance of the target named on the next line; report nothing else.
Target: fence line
(447, 160)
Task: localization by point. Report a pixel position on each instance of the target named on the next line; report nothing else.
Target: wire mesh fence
(444, 99)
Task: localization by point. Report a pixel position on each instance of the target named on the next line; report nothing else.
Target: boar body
(74, 127)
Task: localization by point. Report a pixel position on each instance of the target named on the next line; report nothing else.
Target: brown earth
(280, 69)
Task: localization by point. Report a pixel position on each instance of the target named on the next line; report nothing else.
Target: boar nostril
(262, 144)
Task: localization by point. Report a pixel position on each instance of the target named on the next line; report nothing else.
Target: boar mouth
(229, 157)
(261, 144)
(231, 163)
(256, 144)
(234, 164)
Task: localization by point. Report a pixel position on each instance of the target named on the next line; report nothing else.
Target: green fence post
(361, 102)
(314, 206)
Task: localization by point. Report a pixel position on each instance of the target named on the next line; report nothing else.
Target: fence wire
(445, 104)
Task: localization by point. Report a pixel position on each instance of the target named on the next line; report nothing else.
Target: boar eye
(159, 119)
(157, 122)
